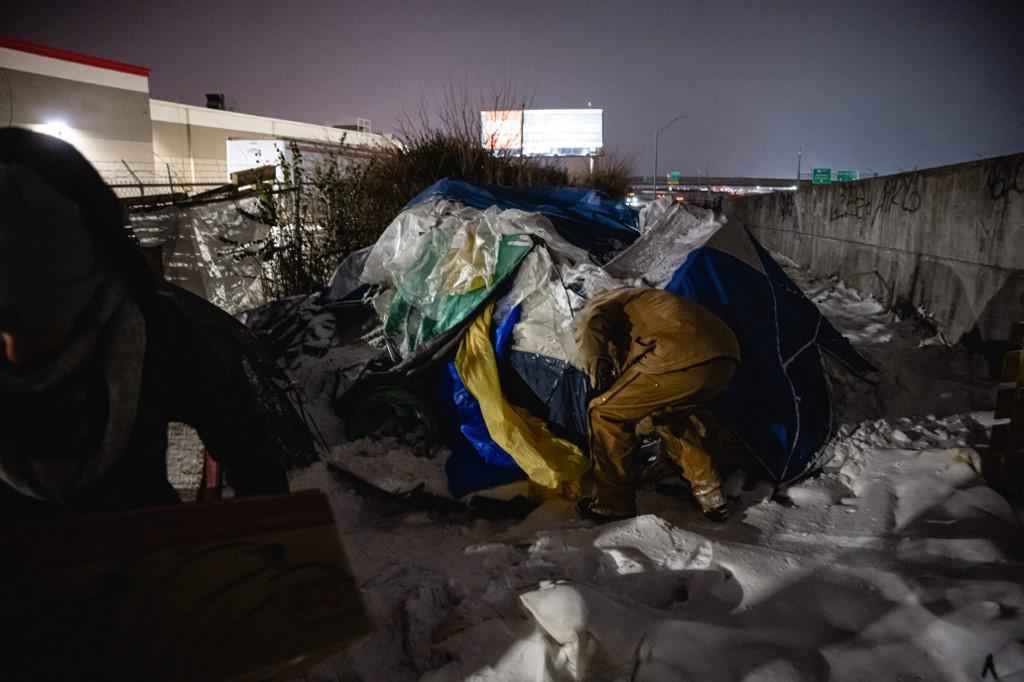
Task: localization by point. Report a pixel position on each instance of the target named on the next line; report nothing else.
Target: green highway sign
(821, 176)
(673, 177)
(846, 175)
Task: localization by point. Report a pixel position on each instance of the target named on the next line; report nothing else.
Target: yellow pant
(671, 400)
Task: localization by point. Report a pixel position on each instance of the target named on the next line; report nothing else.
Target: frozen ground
(896, 563)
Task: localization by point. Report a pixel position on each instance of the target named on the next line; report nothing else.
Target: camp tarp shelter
(779, 402)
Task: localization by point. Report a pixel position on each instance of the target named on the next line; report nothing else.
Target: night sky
(874, 86)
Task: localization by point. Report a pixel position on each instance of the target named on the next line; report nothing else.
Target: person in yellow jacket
(651, 354)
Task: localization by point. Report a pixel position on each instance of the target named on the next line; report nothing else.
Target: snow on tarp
(670, 232)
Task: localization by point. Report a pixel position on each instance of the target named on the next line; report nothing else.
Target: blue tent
(779, 402)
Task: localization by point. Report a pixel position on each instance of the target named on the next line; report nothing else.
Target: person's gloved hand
(601, 373)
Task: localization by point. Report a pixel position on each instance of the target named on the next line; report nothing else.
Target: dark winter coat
(200, 366)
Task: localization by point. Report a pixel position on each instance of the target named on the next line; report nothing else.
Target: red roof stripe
(68, 56)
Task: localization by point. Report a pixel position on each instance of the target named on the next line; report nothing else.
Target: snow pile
(896, 563)
(394, 463)
(860, 318)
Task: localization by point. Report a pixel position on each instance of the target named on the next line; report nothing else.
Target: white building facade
(103, 107)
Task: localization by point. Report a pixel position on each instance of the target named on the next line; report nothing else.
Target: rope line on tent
(813, 341)
(789, 381)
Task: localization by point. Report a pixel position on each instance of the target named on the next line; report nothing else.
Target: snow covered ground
(895, 563)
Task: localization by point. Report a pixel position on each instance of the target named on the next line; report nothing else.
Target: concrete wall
(104, 113)
(950, 239)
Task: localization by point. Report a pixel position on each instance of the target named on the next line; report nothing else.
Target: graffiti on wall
(852, 201)
(855, 200)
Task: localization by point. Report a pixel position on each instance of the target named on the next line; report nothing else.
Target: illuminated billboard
(502, 131)
(544, 132)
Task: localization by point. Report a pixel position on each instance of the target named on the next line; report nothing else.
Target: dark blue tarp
(552, 389)
(583, 217)
(779, 401)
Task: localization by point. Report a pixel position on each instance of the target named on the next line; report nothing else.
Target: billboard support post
(657, 140)
(522, 130)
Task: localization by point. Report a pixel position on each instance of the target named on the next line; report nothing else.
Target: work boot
(713, 504)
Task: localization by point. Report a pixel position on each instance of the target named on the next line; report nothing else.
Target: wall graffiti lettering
(852, 202)
(1006, 177)
(855, 201)
(900, 191)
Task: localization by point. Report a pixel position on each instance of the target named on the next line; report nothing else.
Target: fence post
(142, 189)
(170, 183)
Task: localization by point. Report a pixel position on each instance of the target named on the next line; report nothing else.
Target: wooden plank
(253, 176)
(1013, 367)
(241, 589)
(1017, 336)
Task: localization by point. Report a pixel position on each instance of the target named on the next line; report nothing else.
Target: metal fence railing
(142, 195)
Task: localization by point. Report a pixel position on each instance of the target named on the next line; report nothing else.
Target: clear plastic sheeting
(671, 231)
(211, 250)
(549, 310)
(653, 212)
(438, 261)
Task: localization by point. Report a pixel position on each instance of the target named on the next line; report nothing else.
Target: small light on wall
(58, 129)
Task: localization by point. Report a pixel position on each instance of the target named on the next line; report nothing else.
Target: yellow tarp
(549, 461)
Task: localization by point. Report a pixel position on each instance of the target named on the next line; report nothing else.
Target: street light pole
(657, 140)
